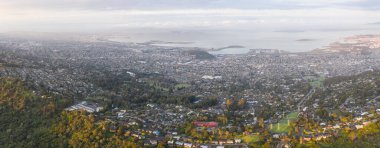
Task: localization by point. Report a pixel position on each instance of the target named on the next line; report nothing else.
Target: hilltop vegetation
(25, 117)
(201, 55)
(30, 118)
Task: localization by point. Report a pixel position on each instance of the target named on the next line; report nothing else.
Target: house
(359, 126)
(358, 118)
(214, 142)
(237, 140)
(153, 142)
(322, 136)
(137, 136)
(156, 132)
(188, 145)
(367, 123)
(176, 137)
(131, 74)
(133, 123)
(276, 136)
(179, 143)
(206, 124)
(222, 142)
(336, 126)
(151, 105)
(121, 113)
(307, 137)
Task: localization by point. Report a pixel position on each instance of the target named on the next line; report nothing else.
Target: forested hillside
(25, 117)
(31, 119)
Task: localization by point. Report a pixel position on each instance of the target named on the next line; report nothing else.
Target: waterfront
(288, 40)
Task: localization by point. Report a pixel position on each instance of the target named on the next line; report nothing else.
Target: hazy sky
(96, 15)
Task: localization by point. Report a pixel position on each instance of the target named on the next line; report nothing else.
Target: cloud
(269, 19)
(374, 23)
(320, 2)
(179, 4)
(267, 14)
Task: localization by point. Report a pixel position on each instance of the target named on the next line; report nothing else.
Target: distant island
(227, 47)
(305, 40)
(201, 55)
(155, 42)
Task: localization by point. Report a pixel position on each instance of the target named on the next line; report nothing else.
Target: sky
(96, 15)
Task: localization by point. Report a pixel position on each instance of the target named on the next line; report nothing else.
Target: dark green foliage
(31, 120)
(201, 55)
(25, 118)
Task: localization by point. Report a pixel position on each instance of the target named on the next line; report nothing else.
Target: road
(307, 97)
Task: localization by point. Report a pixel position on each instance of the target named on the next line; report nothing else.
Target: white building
(88, 107)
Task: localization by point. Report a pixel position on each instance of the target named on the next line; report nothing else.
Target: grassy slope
(282, 126)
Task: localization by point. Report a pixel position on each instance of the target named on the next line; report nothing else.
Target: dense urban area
(93, 92)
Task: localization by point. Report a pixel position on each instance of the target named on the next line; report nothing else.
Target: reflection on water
(174, 45)
(216, 39)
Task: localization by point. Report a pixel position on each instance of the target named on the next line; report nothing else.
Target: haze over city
(280, 24)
